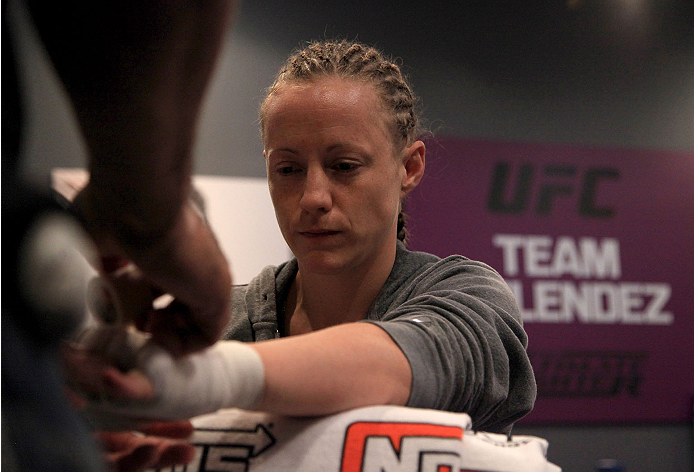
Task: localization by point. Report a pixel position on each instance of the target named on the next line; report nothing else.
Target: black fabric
(40, 429)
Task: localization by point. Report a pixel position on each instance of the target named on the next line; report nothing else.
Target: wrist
(230, 374)
(118, 218)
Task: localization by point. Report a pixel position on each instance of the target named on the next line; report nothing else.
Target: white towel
(371, 439)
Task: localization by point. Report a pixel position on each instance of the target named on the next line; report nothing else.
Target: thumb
(122, 296)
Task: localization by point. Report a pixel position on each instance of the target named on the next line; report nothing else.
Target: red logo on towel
(416, 447)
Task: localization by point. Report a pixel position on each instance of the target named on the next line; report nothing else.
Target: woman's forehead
(326, 101)
(331, 89)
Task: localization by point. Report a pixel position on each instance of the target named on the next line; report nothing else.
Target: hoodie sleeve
(459, 326)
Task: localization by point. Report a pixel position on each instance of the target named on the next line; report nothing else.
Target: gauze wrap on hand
(229, 374)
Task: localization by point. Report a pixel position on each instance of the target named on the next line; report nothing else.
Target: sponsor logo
(227, 450)
(401, 447)
(537, 188)
(581, 374)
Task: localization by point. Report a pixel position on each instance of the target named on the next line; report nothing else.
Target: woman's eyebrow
(347, 146)
(332, 147)
(285, 149)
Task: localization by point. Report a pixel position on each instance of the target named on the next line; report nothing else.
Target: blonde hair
(356, 61)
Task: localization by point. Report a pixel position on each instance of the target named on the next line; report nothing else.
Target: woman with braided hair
(355, 318)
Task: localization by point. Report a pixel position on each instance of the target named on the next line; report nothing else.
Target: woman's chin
(322, 263)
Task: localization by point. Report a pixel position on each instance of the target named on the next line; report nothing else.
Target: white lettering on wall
(554, 298)
(541, 257)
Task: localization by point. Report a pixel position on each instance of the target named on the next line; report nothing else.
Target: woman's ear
(414, 162)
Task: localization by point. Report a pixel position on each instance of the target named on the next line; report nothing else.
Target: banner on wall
(598, 247)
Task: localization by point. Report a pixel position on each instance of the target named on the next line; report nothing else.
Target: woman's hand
(156, 446)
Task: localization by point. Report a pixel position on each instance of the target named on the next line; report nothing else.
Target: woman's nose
(317, 193)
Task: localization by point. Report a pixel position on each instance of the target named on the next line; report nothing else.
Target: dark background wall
(606, 73)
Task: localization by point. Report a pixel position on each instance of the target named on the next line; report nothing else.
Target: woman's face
(335, 179)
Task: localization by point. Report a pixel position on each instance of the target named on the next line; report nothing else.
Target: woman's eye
(286, 170)
(345, 166)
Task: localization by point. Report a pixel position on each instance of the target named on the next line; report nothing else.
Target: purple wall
(598, 245)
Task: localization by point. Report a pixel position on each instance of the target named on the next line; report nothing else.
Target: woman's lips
(318, 233)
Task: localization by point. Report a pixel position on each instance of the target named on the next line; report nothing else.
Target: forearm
(324, 372)
(335, 369)
(136, 73)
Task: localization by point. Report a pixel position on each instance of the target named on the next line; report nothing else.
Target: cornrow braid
(356, 61)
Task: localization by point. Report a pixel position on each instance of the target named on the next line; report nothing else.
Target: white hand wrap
(229, 374)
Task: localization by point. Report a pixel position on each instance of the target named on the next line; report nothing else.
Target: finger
(169, 429)
(158, 455)
(166, 330)
(83, 370)
(174, 329)
(171, 328)
(139, 459)
(175, 454)
(131, 452)
(180, 343)
(122, 296)
(118, 442)
(132, 385)
(91, 375)
(105, 346)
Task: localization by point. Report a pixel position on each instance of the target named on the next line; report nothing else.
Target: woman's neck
(317, 301)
